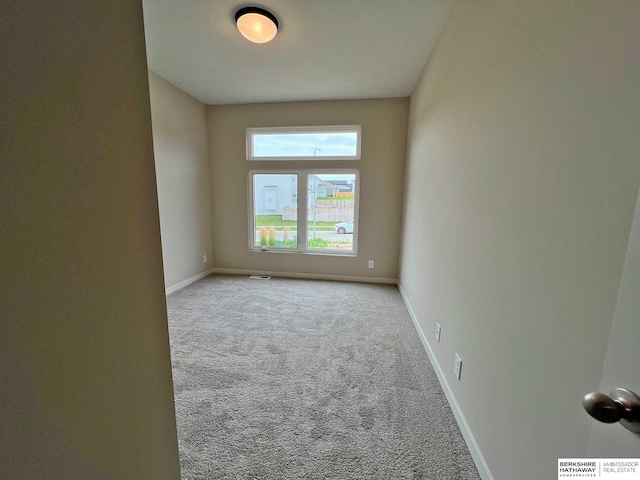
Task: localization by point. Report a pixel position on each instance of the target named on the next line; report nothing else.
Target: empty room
(320, 240)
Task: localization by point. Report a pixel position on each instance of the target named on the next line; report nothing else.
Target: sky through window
(317, 144)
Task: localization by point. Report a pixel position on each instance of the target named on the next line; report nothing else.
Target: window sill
(306, 252)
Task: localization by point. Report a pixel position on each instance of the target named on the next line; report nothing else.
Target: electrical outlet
(204, 259)
(370, 263)
(457, 367)
(438, 330)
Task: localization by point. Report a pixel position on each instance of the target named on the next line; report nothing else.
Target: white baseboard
(476, 454)
(311, 276)
(188, 281)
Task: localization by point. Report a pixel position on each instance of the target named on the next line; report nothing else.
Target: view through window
(331, 211)
(274, 198)
(304, 143)
(320, 220)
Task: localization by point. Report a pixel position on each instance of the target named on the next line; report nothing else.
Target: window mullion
(303, 197)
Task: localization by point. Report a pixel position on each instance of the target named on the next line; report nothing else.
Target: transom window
(304, 143)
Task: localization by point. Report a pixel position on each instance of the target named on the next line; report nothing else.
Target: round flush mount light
(256, 24)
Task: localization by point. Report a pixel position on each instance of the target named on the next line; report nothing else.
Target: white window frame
(302, 223)
(314, 130)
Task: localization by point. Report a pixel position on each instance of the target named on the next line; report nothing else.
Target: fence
(348, 204)
(341, 213)
(345, 194)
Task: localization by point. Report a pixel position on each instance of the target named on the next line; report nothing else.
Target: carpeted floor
(303, 379)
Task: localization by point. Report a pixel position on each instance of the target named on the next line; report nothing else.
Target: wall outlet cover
(457, 367)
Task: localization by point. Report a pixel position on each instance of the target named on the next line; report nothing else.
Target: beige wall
(384, 124)
(84, 353)
(183, 177)
(522, 178)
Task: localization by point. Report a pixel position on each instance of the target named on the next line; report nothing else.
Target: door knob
(620, 405)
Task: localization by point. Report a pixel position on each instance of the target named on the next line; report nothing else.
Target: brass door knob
(620, 405)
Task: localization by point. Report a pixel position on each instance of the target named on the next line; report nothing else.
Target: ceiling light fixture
(256, 24)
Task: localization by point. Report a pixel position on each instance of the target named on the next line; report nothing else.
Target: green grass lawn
(276, 221)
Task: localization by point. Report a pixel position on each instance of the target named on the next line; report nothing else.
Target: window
(274, 217)
(304, 210)
(324, 221)
(304, 143)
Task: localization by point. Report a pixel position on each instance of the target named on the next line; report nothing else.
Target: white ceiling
(325, 49)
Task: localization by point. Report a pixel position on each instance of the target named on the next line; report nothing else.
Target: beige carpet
(302, 379)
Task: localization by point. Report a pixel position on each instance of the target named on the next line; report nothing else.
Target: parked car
(346, 227)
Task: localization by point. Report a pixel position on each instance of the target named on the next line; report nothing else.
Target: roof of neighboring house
(343, 185)
(322, 183)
